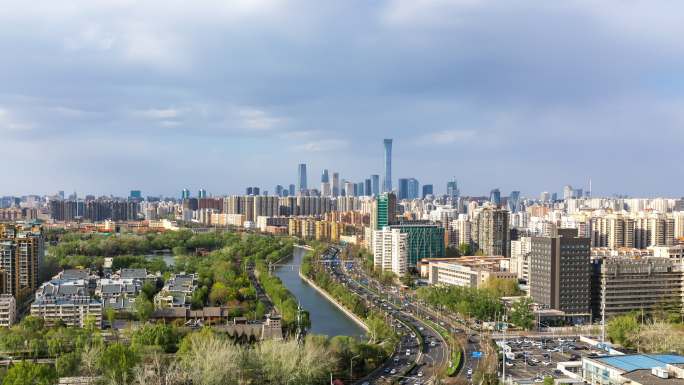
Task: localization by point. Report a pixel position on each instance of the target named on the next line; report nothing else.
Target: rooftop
(633, 362)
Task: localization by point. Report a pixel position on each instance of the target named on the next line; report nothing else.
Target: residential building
(390, 251)
(490, 232)
(22, 250)
(177, 291)
(68, 302)
(520, 257)
(8, 310)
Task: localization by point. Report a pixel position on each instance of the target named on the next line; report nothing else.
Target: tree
(110, 314)
(521, 313)
(116, 362)
(67, 364)
(143, 307)
(28, 373)
(548, 380)
(624, 330)
(464, 249)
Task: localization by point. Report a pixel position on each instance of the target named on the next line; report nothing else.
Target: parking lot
(534, 358)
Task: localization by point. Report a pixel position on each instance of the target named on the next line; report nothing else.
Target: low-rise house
(177, 292)
(118, 293)
(66, 301)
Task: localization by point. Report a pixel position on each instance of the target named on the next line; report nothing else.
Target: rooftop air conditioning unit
(660, 372)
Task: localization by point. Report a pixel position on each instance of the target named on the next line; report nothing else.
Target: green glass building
(385, 210)
(424, 241)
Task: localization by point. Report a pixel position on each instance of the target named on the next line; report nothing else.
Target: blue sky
(108, 96)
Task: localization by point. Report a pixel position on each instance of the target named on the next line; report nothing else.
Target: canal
(325, 317)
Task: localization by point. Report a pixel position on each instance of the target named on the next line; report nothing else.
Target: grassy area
(456, 361)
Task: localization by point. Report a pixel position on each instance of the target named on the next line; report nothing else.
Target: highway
(472, 340)
(430, 357)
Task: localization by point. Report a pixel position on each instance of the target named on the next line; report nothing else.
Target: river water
(325, 317)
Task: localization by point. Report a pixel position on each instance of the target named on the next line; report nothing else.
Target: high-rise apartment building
(560, 272)
(490, 232)
(387, 181)
(368, 187)
(301, 178)
(22, 250)
(185, 194)
(390, 251)
(325, 178)
(202, 193)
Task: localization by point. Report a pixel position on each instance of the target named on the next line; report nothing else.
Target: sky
(107, 96)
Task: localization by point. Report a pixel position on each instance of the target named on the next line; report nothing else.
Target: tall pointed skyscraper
(387, 182)
(302, 178)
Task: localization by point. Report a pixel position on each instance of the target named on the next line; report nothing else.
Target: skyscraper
(291, 189)
(185, 194)
(452, 189)
(427, 190)
(495, 197)
(514, 202)
(413, 188)
(302, 178)
(384, 211)
(202, 193)
(402, 188)
(336, 184)
(387, 182)
(368, 187)
(325, 178)
(375, 182)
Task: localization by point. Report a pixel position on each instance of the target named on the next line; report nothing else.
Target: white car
(420, 374)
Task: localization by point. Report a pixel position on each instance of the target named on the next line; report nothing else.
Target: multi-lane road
(422, 353)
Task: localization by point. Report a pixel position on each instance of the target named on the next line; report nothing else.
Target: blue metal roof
(641, 361)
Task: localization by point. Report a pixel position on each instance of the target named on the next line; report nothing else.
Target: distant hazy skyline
(107, 96)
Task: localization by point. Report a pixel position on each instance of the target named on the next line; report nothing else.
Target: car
(469, 371)
(509, 364)
(432, 343)
(387, 370)
(393, 371)
(408, 352)
(421, 328)
(546, 363)
(420, 374)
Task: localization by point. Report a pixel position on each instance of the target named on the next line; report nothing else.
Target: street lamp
(351, 366)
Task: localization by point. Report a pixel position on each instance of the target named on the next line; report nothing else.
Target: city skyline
(129, 100)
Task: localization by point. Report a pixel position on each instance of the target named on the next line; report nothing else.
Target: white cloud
(159, 113)
(448, 137)
(10, 124)
(322, 145)
(257, 120)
